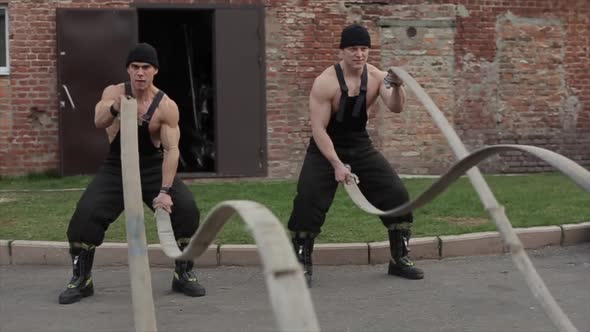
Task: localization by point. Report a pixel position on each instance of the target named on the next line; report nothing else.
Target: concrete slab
(538, 237)
(111, 254)
(341, 254)
(427, 247)
(576, 233)
(4, 252)
(40, 252)
(484, 243)
(239, 255)
(379, 252)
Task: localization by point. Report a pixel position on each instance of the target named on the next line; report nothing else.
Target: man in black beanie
(339, 102)
(102, 201)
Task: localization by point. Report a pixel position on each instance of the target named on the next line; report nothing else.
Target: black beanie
(355, 35)
(143, 52)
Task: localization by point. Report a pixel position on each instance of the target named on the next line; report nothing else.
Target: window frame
(5, 70)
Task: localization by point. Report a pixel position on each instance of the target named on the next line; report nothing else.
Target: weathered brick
(502, 72)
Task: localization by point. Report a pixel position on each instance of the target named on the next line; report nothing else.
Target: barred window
(3, 40)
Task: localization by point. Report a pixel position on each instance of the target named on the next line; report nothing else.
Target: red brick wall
(514, 72)
(526, 67)
(507, 72)
(28, 126)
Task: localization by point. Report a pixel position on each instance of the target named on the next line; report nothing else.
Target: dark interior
(184, 42)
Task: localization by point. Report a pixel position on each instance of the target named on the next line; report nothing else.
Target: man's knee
(85, 231)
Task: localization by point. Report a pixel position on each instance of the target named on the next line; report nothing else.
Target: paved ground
(483, 293)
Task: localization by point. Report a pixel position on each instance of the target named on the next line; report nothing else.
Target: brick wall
(28, 126)
(502, 72)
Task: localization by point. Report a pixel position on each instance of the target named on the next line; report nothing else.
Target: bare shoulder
(326, 84)
(114, 90)
(168, 103)
(169, 110)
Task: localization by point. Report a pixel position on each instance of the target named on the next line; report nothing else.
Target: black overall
(102, 201)
(317, 185)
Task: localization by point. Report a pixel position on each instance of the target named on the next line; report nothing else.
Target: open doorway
(184, 40)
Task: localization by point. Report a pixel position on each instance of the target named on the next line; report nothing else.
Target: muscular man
(102, 202)
(338, 102)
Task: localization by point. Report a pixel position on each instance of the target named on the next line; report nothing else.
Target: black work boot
(400, 264)
(81, 283)
(303, 244)
(185, 280)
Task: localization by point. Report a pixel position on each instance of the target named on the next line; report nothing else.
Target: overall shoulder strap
(362, 98)
(150, 112)
(343, 92)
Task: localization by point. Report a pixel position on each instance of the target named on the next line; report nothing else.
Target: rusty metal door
(240, 92)
(91, 48)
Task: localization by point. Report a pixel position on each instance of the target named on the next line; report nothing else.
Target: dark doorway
(212, 64)
(185, 50)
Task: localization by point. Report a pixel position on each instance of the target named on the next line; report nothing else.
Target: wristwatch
(166, 190)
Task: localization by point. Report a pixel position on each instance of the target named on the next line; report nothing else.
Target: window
(3, 40)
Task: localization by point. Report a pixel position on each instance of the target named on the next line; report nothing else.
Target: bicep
(169, 129)
(320, 107)
(169, 136)
(108, 94)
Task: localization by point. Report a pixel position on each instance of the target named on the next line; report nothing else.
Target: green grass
(530, 200)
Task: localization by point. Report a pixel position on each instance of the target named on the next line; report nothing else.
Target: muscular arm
(320, 106)
(320, 112)
(111, 96)
(393, 97)
(170, 136)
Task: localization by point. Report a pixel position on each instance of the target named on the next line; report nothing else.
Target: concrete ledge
(239, 254)
(159, 259)
(109, 254)
(341, 254)
(4, 252)
(484, 243)
(40, 252)
(425, 248)
(576, 233)
(538, 237)
(379, 252)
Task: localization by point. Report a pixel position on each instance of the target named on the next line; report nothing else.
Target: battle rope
(144, 313)
(576, 172)
(288, 291)
(465, 164)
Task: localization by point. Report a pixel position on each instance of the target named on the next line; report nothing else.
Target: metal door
(91, 48)
(239, 74)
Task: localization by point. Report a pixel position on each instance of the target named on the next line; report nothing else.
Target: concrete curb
(436, 247)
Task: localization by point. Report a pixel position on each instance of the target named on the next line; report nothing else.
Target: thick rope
(577, 173)
(289, 294)
(288, 291)
(144, 313)
(466, 162)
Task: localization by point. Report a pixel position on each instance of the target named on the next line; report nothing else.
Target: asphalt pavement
(478, 293)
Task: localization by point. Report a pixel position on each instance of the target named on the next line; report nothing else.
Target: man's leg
(100, 204)
(185, 221)
(315, 193)
(385, 190)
